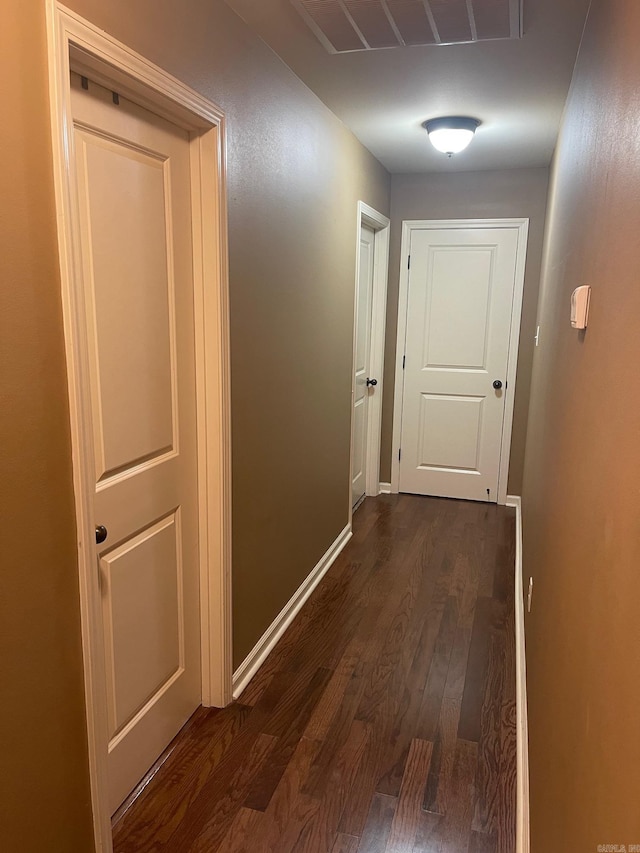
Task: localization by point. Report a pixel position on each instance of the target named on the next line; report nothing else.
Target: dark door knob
(497, 385)
(372, 382)
(101, 534)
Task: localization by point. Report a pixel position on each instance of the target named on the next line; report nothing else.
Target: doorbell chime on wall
(580, 300)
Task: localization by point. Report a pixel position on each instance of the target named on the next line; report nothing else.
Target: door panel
(133, 177)
(129, 204)
(461, 289)
(137, 673)
(364, 305)
(450, 432)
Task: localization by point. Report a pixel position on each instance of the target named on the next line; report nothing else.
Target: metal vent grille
(348, 25)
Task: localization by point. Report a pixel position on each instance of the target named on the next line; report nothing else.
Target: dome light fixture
(451, 134)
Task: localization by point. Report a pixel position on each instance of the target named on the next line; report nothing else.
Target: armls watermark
(618, 848)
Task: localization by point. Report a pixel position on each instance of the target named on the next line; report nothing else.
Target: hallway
(383, 721)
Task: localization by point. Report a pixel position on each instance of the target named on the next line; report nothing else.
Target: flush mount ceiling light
(451, 134)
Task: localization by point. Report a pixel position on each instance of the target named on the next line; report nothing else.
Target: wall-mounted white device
(580, 300)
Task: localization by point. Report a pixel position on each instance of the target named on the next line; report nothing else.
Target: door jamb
(381, 226)
(408, 226)
(75, 43)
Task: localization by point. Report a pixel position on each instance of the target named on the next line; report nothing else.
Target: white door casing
(74, 43)
(133, 178)
(461, 305)
(362, 378)
(365, 469)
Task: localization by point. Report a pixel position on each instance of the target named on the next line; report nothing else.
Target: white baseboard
(522, 807)
(257, 656)
(385, 488)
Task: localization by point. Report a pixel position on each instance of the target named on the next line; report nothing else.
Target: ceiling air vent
(347, 25)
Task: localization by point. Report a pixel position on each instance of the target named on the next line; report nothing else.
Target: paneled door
(459, 308)
(133, 182)
(363, 382)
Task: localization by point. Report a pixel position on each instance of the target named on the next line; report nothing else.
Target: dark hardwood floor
(384, 720)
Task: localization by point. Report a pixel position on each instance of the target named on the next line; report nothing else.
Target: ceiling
(516, 87)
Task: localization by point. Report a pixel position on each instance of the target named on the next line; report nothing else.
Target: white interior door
(133, 178)
(461, 291)
(363, 389)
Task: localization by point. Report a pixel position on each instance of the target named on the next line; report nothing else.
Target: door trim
(74, 43)
(408, 226)
(381, 226)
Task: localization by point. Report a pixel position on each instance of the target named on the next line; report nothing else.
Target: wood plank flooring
(384, 720)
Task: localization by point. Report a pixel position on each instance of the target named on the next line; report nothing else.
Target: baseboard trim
(257, 656)
(522, 808)
(385, 488)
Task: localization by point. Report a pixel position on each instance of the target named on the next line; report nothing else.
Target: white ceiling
(516, 87)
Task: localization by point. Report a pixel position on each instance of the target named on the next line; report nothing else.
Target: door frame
(408, 227)
(75, 44)
(381, 225)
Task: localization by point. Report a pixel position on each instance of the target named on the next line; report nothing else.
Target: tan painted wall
(295, 175)
(44, 802)
(470, 195)
(582, 473)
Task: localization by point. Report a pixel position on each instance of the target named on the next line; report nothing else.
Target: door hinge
(404, 361)
(506, 385)
(409, 263)
(399, 454)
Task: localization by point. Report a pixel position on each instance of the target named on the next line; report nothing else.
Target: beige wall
(470, 195)
(582, 472)
(44, 800)
(295, 175)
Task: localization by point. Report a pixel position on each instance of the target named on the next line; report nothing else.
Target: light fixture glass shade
(451, 135)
